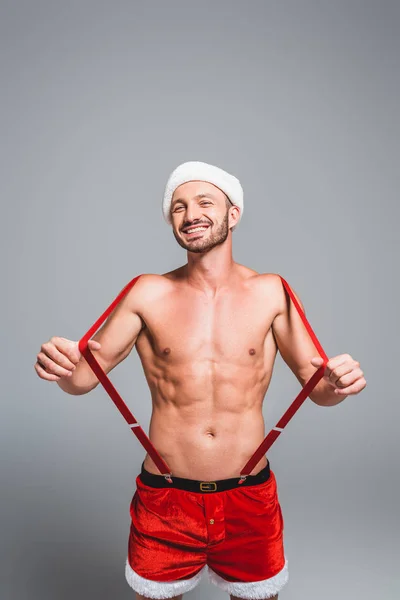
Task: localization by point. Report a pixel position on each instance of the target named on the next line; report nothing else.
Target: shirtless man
(207, 335)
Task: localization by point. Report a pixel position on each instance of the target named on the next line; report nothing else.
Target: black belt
(193, 485)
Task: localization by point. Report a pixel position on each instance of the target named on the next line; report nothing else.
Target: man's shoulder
(268, 282)
(273, 285)
(148, 287)
(152, 280)
(269, 288)
(270, 279)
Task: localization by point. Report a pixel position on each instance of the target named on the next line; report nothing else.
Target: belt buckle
(207, 483)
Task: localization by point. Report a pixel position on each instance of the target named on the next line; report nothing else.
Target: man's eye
(206, 202)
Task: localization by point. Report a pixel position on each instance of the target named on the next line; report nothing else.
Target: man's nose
(193, 213)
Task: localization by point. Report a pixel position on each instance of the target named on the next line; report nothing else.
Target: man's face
(200, 204)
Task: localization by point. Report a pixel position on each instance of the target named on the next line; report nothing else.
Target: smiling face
(200, 214)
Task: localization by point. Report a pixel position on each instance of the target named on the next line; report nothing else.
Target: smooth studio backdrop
(100, 101)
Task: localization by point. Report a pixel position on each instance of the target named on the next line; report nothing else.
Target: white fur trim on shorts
(256, 590)
(160, 589)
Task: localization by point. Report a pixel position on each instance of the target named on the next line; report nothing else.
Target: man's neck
(210, 272)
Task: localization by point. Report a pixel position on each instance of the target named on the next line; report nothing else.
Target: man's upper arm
(294, 342)
(119, 333)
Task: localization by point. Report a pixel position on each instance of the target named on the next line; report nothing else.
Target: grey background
(100, 101)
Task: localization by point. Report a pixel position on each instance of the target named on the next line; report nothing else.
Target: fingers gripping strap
(110, 389)
(297, 402)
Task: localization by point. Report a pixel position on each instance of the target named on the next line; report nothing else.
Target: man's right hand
(58, 358)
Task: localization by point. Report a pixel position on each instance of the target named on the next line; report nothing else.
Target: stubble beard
(207, 243)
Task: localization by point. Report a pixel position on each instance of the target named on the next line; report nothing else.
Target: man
(207, 335)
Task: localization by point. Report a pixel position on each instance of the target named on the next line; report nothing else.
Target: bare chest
(233, 327)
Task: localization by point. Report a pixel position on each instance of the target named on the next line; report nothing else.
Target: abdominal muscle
(216, 446)
(207, 416)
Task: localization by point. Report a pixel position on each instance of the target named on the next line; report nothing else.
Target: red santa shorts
(235, 536)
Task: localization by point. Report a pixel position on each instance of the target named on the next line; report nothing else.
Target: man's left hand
(343, 373)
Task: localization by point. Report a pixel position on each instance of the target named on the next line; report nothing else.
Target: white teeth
(196, 229)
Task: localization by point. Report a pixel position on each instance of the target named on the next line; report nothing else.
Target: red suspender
(138, 431)
(112, 392)
(297, 402)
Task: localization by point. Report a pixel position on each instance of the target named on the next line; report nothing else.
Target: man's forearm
(324, 395)
(82, 380)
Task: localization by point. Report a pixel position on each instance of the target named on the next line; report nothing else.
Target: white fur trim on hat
(200, 171)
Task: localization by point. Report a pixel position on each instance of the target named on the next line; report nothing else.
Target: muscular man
(207, 334)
